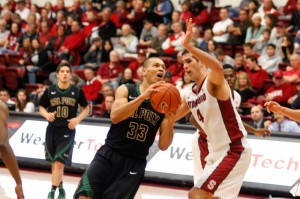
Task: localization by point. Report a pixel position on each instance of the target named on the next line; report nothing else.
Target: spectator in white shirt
(220, 27)
(270, 60)
(22, 10)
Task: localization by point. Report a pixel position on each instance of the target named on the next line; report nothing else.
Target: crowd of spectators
(107, 43)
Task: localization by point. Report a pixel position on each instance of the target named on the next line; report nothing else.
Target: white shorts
(225, 176)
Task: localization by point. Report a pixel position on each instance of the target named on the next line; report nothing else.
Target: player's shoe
(51, 194)
(62, 193)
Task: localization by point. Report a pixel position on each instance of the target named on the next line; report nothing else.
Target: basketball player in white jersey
(211, 104)
(199, 141)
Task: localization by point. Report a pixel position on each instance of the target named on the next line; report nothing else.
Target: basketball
(166, 100)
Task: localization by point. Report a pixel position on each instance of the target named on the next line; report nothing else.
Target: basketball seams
(168, 94)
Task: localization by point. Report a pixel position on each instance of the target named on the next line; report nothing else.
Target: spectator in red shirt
(256, 74)
(281, 91)
(73, 45)
(88, 9)
(200, 13)
(292, 73)
(185, 11)
(45, 35)
(177, 69)
(60, 20)
(134, 65)
(92, 86)
(119, 16)
(136, 17)
(109, 72)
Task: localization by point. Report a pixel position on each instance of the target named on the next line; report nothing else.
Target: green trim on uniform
(59, 154)
(63, 92)
(139, 92)
(48, 155)
(87, 186)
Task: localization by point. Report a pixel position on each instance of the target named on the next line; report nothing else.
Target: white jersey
(224, 132)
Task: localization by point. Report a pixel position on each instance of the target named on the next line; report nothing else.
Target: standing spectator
(92, 87)
(282, 124)
(220, 28)
(239, 28)
(256, 74)
(62, 120)
(23, 103)
(5, 97)
(254, 32)
(109, 72)
(270, 61)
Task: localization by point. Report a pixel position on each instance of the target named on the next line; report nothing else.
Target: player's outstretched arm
(276, 108)
(258, 132)
(205, 58)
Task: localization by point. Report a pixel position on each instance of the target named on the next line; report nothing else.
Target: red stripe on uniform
(203, 146)
(235, 148)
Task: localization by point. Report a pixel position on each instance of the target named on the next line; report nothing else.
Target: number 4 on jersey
(200, 117)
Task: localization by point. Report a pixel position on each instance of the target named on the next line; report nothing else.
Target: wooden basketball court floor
(36, 185)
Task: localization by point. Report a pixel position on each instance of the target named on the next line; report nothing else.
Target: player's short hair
(148, 61)
(62, 64)
(187, 52)
(228, 66)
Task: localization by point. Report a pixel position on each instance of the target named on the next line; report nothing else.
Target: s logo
(211, 184)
